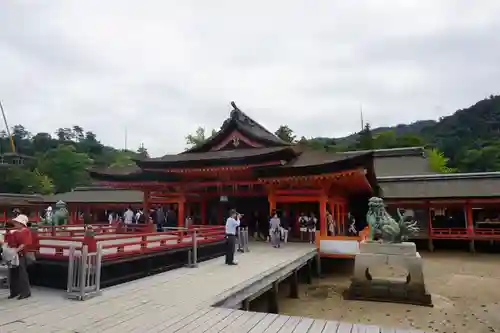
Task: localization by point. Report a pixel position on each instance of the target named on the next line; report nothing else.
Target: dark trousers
(230, 245)
(18, 279)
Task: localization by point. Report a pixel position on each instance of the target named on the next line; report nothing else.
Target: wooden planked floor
(175, 301)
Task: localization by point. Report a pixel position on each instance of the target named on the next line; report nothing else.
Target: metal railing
(243, 239)
(84, 273)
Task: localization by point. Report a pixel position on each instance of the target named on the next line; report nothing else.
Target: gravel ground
(465, 289)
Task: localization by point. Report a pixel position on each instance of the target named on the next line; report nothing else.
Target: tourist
(160, 218)
(311, 227)
(352, 231)
(232, 222)
(285, 226)
(128, 216)
(331, 224)
(274, 230)
(18, 240)
(303, 221)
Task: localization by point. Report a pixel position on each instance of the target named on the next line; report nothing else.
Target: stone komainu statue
(59, 216)
(384, 227)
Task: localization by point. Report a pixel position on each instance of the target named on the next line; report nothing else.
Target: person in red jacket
(19, 239)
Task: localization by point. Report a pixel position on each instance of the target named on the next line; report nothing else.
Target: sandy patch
(465, 290)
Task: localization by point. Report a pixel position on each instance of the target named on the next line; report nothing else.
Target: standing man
(128, 216)
(232, 222)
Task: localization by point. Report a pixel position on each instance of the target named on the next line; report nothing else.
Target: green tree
(365, 139)
(385, 140)
(66, 167)
(389, 139)
(78, 133)
(438, 161)
(285, 133)
(198, 138)
(14, 179)
(123, 158)
(142, 152)
(484, 159)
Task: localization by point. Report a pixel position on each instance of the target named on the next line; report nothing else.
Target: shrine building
(246, 167)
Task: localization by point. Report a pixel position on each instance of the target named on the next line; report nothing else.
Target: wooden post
(245, 305)
(323, 228)
(273, 299)
(309, 272)
(318, 266)
(294, 284)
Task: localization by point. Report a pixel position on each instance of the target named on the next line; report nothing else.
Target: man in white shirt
(128, 216)
(232, 222)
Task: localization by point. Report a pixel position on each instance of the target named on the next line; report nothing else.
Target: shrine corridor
(176, 301)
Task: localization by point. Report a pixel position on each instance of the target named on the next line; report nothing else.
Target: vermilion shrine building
(244, 166)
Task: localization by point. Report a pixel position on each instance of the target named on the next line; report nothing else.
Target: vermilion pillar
(322, 216)
(272, 202)
(469, 219)
(180, 213)
(145, 205)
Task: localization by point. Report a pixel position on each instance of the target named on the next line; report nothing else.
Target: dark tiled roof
(251, 126)
(238, 120)
(220, 155)
(97, 195)
(398, 161)
(392, 152)
(16, 199)
(316, 157)
(441, 186)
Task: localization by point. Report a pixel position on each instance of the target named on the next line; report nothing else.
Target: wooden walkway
(175, 301)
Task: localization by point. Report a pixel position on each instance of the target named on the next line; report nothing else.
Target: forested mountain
(56, 163)
(469, 138)
(467, 141)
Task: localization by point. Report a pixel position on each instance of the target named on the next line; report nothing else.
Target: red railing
(449, 233)
(120, 245)
(487, 232)
(465, 233)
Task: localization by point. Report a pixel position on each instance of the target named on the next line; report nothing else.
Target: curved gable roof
(240, 121)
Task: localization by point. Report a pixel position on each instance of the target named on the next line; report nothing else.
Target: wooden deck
(175, 301)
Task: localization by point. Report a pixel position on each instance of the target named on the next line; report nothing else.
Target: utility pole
(12, 145)
(125, 138)
(361, 115)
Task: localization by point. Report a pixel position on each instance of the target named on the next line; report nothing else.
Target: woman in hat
(18, 239)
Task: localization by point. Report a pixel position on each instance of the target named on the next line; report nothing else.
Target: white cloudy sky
(161, 68)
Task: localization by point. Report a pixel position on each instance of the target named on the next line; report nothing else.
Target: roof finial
(233, 104)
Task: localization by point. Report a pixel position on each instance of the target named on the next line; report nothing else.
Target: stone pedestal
(364, 287)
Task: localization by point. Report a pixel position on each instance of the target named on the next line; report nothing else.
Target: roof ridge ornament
(241, 116)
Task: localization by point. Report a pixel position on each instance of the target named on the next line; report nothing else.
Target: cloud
(161, 68)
